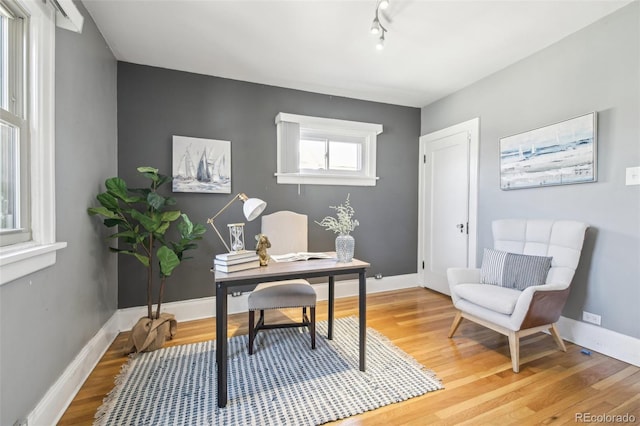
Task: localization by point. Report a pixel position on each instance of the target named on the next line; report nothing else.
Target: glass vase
(345, 245)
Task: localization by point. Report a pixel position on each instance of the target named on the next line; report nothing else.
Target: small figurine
(261, 248)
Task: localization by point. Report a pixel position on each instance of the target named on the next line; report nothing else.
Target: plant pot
(150, 334)
(345, 245)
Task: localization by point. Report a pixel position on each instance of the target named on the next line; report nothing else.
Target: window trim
(19, 260)
(367, 131)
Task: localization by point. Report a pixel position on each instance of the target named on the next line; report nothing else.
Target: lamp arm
(211, 219)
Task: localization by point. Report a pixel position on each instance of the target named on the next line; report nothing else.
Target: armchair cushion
(493, 297)
(512, 270)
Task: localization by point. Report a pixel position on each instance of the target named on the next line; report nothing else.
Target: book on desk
(236, 261)
(293, 257)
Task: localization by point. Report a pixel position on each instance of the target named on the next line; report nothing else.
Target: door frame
(472, 127)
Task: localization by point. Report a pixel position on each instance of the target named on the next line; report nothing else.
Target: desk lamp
(252, 208)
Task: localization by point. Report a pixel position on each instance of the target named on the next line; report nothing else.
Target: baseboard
(53, 405)
(619, 346)
(189, 310)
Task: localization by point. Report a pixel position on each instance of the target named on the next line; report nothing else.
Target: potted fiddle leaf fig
(147, 227)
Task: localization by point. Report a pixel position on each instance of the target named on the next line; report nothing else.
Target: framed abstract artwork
(558, 154)
(201, 165)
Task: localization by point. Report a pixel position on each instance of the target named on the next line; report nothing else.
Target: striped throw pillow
(511, 270)
(522, 271)
(492, 267)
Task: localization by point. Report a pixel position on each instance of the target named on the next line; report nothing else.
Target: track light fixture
(376, 26)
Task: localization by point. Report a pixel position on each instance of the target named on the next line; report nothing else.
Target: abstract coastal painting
(558, 154)
(201, 165)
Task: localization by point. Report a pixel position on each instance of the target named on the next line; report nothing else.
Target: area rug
(283, 383)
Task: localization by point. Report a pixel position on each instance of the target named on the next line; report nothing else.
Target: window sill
(20, 260)
(309, 179)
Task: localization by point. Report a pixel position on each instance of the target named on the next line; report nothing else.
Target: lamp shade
(253, 207)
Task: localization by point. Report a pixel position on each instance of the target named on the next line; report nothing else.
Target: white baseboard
(189, 310)
(54, 403)
(619, 346)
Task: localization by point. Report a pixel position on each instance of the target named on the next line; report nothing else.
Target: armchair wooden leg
(514, 348)
(556, 336)
(456, 323)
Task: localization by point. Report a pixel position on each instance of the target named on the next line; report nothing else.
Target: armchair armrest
(540, 305)
(457, 276)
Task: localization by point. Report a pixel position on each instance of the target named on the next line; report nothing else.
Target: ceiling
(432, 48)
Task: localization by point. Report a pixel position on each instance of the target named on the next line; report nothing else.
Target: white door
(448, 203)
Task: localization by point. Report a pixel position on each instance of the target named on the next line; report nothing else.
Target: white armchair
(520, 312)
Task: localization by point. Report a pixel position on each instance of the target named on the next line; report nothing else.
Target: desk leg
(221, 343)
(332, 296)
(362, 299)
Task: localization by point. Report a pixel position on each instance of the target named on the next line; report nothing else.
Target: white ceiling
(432, 49)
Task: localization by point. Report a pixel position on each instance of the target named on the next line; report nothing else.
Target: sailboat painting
(558, 154)
(201, 165)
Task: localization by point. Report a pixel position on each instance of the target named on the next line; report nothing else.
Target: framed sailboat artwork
(201, 165)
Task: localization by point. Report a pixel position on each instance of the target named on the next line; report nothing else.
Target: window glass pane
(344, 156)
(9, 182)
(313, 154)
(4, 62)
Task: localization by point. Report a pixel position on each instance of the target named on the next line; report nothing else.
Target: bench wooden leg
(312, 327)
(252, 331)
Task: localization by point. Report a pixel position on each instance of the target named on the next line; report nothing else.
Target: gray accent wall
(48, 317)
(595, 69)
(154, 104)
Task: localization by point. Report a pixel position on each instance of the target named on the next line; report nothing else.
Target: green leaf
(110, 223)
(124, 234)
(155, 200)
(162, 228)
(143, 259)
(102, 211)
(146, 169)
(109, 201)
(170, 216)
(168, 260)
(148, 223)
(117, 187)
(162, 179)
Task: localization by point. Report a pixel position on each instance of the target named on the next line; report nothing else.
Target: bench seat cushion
(282, 294)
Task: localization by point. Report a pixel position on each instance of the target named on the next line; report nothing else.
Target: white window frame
(288, 139)
(19, 260)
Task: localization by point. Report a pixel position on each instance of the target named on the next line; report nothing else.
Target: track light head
(380, 43)
(375, 26)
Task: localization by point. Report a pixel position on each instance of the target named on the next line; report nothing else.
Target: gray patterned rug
(283, 383)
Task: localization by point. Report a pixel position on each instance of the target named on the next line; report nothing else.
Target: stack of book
(236, 261)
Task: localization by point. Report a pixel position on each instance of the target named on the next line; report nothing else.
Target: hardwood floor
(552, 387)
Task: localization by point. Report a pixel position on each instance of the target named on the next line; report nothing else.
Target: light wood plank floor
(552, 387)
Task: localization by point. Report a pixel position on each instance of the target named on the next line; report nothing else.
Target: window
(27, 142)
(14, 137)
(323, 151)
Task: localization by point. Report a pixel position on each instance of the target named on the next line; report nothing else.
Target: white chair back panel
(287, 232)
(561, 239)
(536, 249)
(560, 275)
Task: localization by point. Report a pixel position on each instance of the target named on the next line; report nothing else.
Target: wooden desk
(284, 271)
